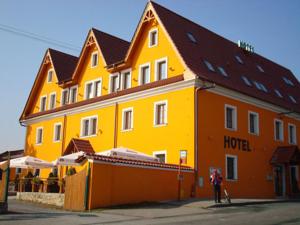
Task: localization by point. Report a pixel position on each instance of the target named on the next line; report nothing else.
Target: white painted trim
(295, 134)
(257, 125)
(54, 132)
(165, 114)
(123, 121)
(49, 103)
(93, 82)
(122, 78)
(43, 96)
(154, 153)
(90, 119)
(281, 138)
(110, 81)
(50, 70)
(92, 56)
(140, 72)
(36, 135)
(234, 121)
(235, 165)
(61, 96)
(72, 88)
(149, 37)
(156, 67)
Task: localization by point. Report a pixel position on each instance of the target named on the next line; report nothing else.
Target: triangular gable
(77, 145)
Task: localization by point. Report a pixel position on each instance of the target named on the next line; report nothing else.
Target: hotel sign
(236, 143)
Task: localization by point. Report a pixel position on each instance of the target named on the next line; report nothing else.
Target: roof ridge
(113, 36)
(60, 52)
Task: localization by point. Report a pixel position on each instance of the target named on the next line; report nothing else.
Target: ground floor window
(161, 155)
(231, 167)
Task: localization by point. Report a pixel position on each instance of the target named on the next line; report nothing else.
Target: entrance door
(294, 179)
(279, 180)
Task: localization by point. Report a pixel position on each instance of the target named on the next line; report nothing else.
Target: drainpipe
(116, 125)
(87, 186)
(63, 141)
(196, 136)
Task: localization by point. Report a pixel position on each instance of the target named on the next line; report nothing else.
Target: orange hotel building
(175, 89)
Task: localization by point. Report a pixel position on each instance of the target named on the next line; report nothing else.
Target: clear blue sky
(272, 27)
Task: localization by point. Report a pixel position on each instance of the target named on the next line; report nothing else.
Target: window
(114, 83)
(127, 119)
(57, 132)
(161, 155)
(278, 130)
(230, 117)
(231, 167)
(253, 123)
(144, 76)
(247, 82)
(292, 134)
(52, 100)
(161, 69)
(260, 86)
(292, 99)
(64, 97)
(222, 71)
(43, 103)
(39, 135)
(160, 113)
(93, 89)
(209, 66)
(260, 68)
(18, 170)
(73, 94)
(288, 81)
(153, 37)
(89, 126)
(278, 93)
(239, 59)
(191, 37)
(94, 59)
(50, 76)
(126, 79)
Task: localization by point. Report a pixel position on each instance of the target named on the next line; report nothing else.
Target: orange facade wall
(254, 173)
(120, 184)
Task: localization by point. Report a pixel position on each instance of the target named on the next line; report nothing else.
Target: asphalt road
(276, 214)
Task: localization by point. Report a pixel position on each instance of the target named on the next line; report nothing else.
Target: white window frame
(52, 71)
(234, 120)
(70, 91)
(123, 118)
(93, 82)
(123, 76)
(156, 67)
(235, 165)
(165, 115)
(154, 153)
(256, 125)
(49, 103)
(148, 64)
(61, 96)
(89, 133)
(36, 135)
(54, 132)
(295, 134)
(43, 96)
(110, 82)
(150, 36)
(92, 57)
(281, 138)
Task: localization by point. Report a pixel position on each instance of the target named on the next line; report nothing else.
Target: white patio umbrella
(127, 153)
(30, 162)
(68, 160)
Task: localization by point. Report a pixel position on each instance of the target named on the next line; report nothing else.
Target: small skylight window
(278, 93)
(292, 99)
(288, 81)
(247, 82)
(260, 86)
(222, 71)
(191, 37)
(260, 68)
(209, 66)
(263, 87)
(239, 59)
(257, 85)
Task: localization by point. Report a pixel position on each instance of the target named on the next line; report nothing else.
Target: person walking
(216, 181)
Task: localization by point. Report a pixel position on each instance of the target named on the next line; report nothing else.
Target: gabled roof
(77, 145)
(64, 64)
(221, 52)
(286, 154)
(113, 48)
